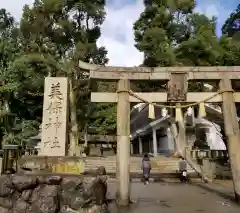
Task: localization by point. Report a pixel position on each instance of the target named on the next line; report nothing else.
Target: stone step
(159, 164)
(131, 164)
(135, 161)
(136, 167)
(113, 164)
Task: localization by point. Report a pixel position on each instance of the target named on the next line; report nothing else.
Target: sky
(117, 33)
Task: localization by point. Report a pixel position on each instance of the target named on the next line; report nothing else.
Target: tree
(50, 40)
(104, 117)
(163, 33)
(201, 48)
(169, 33)
(231, 26)
(8, 49)
(230, 41)
(61, 33)
(160, 28)
(12, 112)
(230, 51)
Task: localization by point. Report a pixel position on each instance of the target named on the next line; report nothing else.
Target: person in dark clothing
(183, 169)
(101, 150)
(146, 167)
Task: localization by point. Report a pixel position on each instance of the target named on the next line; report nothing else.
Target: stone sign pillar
(54, 122)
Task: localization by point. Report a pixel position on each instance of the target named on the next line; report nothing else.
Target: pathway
(172, 198)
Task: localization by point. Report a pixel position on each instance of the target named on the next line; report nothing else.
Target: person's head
(145, 157)
(181, 158)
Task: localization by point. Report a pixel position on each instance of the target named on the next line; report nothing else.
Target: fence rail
(211, 154)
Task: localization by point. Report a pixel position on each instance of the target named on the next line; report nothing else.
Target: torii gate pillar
(123, 144)
(232, 132)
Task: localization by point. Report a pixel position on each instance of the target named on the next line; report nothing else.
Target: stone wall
(54, 164)
(52, 194)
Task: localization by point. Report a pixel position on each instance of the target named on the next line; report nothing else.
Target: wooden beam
(164, 75)
(158, 97)
(99, 68)
(159, 73)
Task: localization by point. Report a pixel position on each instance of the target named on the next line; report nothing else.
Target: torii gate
(177, 94)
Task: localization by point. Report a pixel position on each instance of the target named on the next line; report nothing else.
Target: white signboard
(54, 123)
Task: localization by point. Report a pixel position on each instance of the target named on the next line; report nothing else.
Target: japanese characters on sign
(54, 117)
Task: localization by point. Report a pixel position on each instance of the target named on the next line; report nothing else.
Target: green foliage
(160, 28)
(230, 27)
(169, 33)
(51, 38)
(23, 130)
(103, 119)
